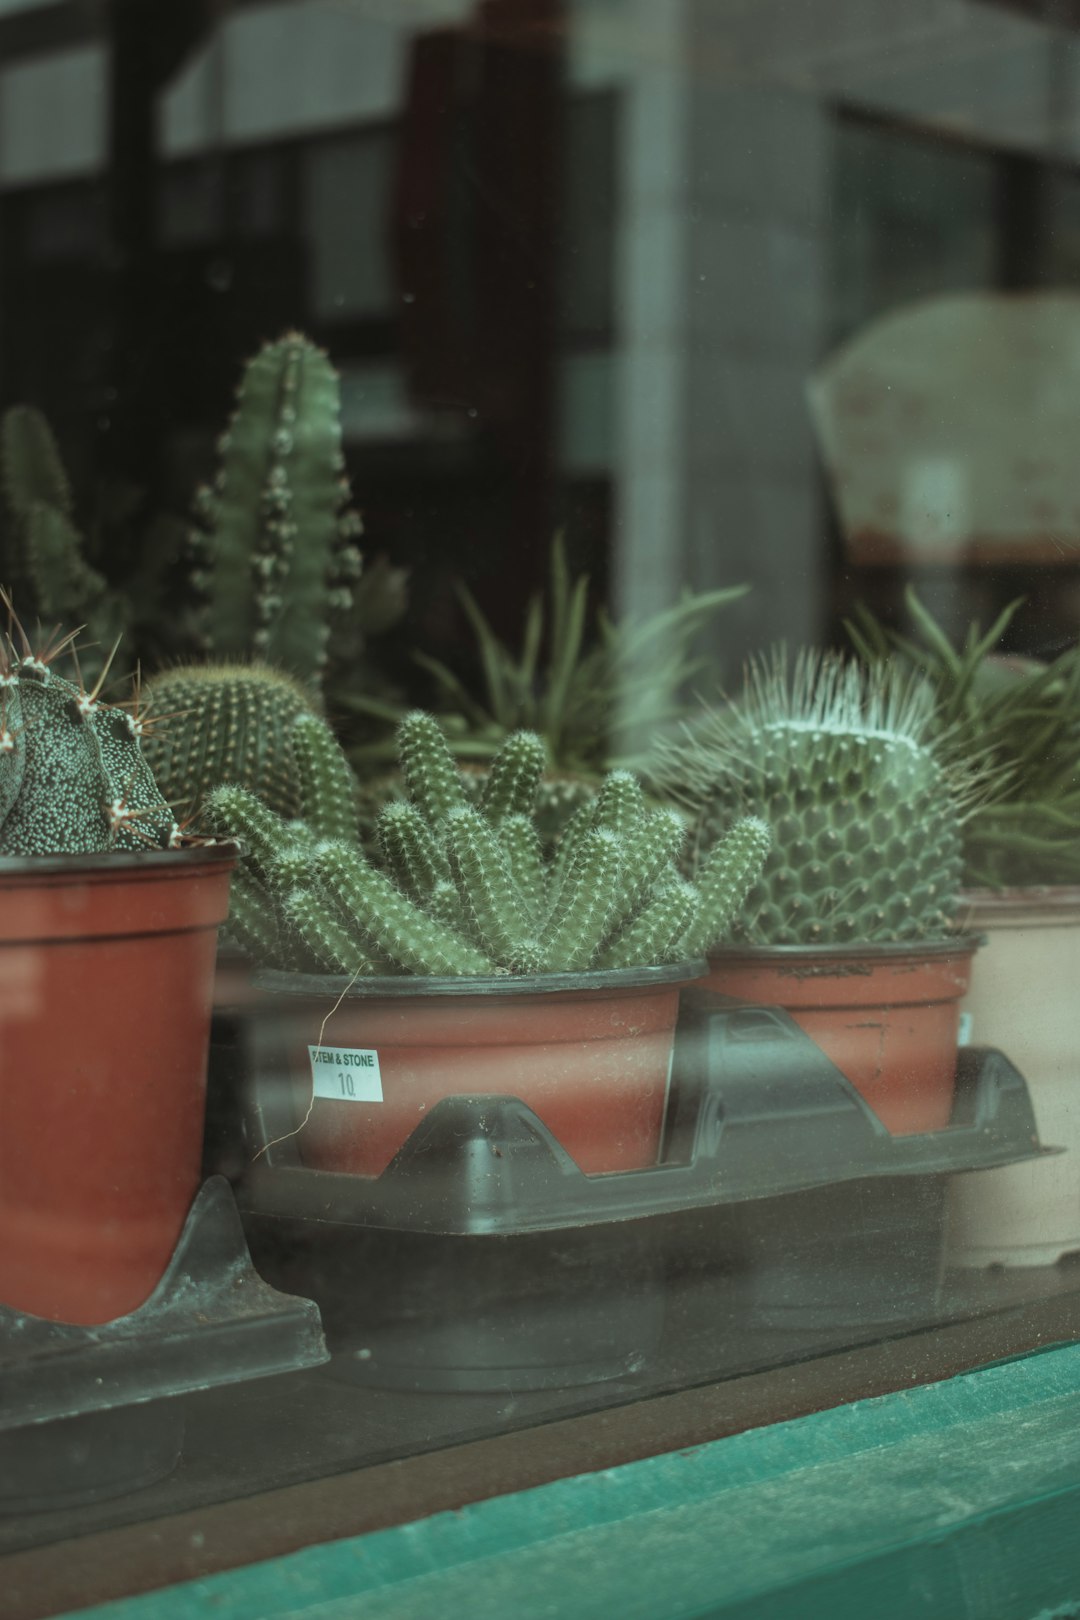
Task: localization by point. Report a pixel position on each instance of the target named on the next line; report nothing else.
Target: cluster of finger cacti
(73, 779)
(465, 889)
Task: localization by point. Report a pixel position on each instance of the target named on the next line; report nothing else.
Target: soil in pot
(888, 1016)
(589, 1053)
(106, 976)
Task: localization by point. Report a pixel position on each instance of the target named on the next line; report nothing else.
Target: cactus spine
(275, 548)
(866, 821)
(470, 893)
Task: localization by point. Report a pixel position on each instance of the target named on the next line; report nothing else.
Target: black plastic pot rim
(224, 851)
(412, 985)
(965, 944)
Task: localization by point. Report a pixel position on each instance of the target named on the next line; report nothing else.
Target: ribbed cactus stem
(411, 852)
(657, 932)
(445, 904)
(74, 780)
(510, 789)
(723, 881)
(327, 783)
(584, 912)
(333, 947)
(289, 869)
(253, 921)
(428, 767)
(277, 550)
(579, 825)
(620, 804)
(397, 928)
(234, 812)
(493, 905)
(521, 841)
(651, 848)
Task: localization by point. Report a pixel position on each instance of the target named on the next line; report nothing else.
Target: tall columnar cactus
(467, 889)
(866, 820)
(73, 779)
(275, 546)
(46, 562)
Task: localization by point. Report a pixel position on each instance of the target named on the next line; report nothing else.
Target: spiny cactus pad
(73, 779)
(468, 891)
(866, 822)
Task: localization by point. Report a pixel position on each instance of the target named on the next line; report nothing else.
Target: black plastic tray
(88, 1411)
(755, 1110)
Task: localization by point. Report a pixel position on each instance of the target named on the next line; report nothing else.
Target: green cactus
(468, 891)
(227, 723)
(254, 727)
(73, 779)
(275, 548)
(45, 553)
(866, 820)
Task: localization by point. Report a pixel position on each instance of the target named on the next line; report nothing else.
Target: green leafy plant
(1022, 718)
(466, 889)
(866, 817)
(591, 695)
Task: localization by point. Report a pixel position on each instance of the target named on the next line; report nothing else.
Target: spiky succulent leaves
(253, 920)
(332, 946)
(510, 789)
(85, 787)
(840, 765)
(521, 841)
(327, 783)
(397, 928)
(413, 855)
(498, 918)
(583, 912)
(431, 777)
(620, 803)
(277, 550)
(657, 933)
(723, 880)
(225, 723)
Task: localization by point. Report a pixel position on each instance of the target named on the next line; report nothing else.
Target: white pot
(1025, 999)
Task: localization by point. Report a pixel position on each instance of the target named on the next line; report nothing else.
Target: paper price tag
(345, 1074)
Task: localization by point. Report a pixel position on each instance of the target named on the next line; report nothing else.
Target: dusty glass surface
(436, 418)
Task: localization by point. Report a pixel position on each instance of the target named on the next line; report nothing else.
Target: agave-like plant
(1019, 715)
(867, 816)
(592, 696)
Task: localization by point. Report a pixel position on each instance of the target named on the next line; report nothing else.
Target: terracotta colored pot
(106, 975)
(887, 1015)
(1025, 998)
(590, 1054)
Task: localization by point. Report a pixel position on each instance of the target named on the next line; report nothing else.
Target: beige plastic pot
(1025, 999)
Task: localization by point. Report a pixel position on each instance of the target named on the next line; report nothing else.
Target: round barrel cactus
(866, 819)
(73, 779)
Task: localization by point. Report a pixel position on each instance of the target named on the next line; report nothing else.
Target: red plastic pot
(888, 1016)
(106, 977)
(590, 1054)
